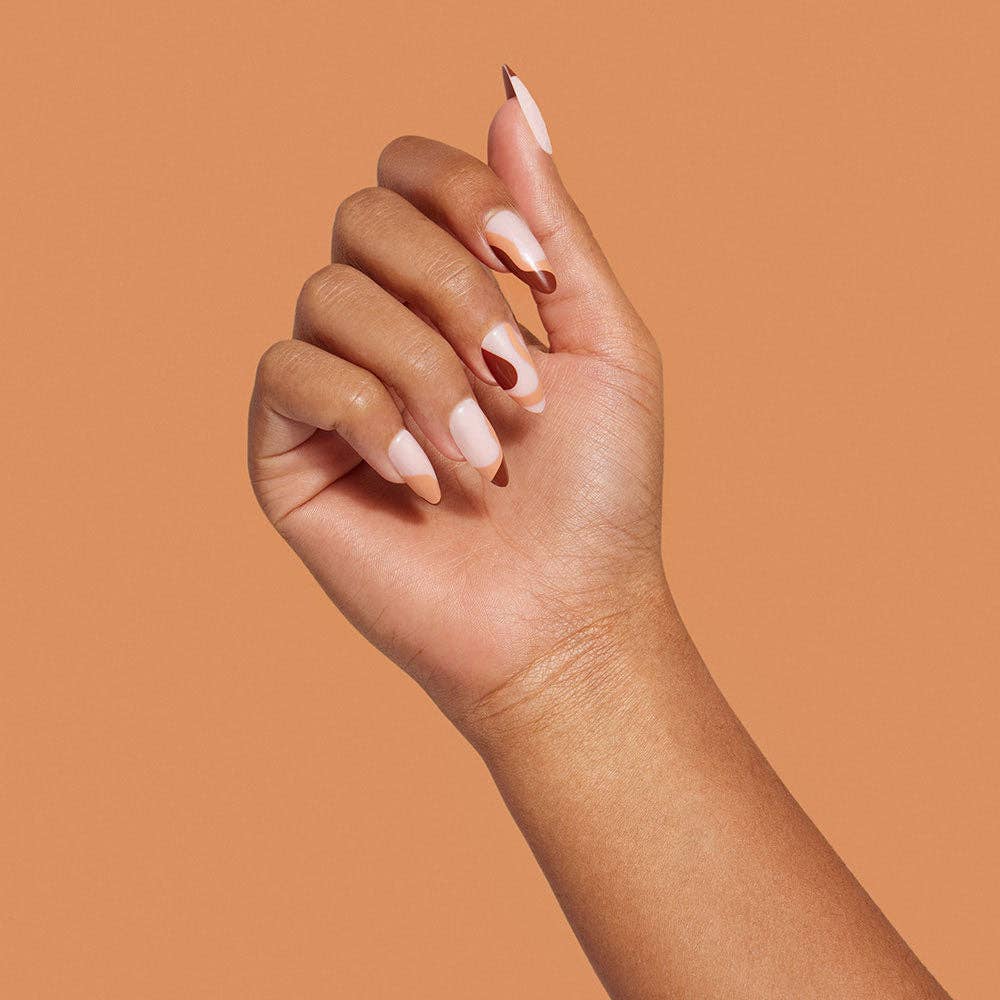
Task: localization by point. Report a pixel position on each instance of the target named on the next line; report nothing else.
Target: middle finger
(380, 233)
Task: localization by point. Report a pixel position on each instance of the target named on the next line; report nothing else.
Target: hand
(519, 578)
(487, 583)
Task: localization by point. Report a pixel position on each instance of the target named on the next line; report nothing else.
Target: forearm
(682, 862)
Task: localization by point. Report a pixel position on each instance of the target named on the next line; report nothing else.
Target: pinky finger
(301, 388)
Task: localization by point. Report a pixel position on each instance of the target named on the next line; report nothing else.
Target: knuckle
(277, 369)
(430, 361)
(569, 222)
(399, 149)
(456, 279)
(364, 396)
(359, 210)
(323, 290)
(463, 182)
(273, 363)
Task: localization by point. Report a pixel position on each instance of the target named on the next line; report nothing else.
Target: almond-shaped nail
(517, 249)
(412, 463)
(477, 441)
(506, 355)
(515, 88)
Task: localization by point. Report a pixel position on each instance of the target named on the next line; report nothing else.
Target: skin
(538, 616)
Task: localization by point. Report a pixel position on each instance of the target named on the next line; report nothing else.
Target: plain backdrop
(211, 787)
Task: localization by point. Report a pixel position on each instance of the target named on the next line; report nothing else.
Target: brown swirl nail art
(503, 371)
(509, 361)
(517, 249)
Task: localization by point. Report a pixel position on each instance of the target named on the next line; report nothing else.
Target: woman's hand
(536, 612)
(407, 331)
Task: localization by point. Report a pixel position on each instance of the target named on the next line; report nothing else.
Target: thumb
(587, 311)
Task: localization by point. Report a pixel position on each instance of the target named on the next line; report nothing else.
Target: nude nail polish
(516, 89)
(477, 441)
(412, 463)
(507, 357)
(517, 249)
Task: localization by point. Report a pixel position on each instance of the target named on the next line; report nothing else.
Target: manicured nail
(477, 441)
(515, 88)
(412, 463)
(517, 249)
(506, 355)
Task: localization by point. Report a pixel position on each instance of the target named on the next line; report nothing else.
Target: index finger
(464, 196)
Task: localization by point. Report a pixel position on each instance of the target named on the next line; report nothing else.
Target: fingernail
(506, 355)
(515, 88)
(477, 441)
(517, 249)
(412, 463)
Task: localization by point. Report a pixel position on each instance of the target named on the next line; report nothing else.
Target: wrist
(584, 678)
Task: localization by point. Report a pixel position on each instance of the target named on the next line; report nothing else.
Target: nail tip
(528, 106)
(540, 281)
(546, 282)
(431, 492)
(501, 477)
(432, 500)
(508, 87)
(426, 493)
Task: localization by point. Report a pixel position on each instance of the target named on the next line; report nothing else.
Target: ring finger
(347, 313)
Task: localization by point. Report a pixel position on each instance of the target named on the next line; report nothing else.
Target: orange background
(212, 787)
